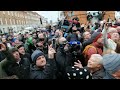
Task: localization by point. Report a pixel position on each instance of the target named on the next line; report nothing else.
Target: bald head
(41, 35)
(112, 30)
(118, 28)
(62, 40)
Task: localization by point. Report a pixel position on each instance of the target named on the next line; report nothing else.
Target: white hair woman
(95, 66)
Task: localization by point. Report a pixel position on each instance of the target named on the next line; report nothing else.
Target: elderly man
(110, 43)
(95, 66)
(87, 39)
(86, 35)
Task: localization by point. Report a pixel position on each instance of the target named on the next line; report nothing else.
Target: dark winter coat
(62, 61)
(43, 73)
(27, 55)
(86, 42)
(21, 70)
(2, 56)
(98, 74)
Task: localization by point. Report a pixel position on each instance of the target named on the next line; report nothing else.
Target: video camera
(75, 47)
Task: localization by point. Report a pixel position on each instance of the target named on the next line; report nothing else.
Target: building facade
(14, 21)
(82, 15)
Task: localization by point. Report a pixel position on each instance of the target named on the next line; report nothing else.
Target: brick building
(82, 15)
(17, 20)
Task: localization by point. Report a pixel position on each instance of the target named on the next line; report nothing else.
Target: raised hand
(78, 64)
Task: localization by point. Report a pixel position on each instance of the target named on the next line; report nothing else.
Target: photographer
(74, 36)
(63, 57)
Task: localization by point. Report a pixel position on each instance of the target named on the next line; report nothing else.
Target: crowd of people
(66, 51)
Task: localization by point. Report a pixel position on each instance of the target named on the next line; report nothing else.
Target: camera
(75, 47)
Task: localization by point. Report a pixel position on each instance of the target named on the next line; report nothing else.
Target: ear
(99, 66)
(114, 75)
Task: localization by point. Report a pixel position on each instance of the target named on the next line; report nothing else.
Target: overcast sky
(51, 15)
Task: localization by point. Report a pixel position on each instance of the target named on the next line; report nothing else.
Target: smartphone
(54, 43)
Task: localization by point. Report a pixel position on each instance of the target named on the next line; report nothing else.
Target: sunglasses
(75, 31)
(41, 39)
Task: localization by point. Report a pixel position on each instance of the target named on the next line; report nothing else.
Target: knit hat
(18, 46)
(111, 62)
(36, 54)
(12, 50)
(96, 36)
(77, 73)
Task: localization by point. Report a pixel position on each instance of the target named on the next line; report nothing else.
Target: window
(1, 22)
(17, 22)
(5, 21)
(14, 21)
(10, 22)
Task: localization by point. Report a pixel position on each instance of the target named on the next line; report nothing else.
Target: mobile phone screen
(53, 43)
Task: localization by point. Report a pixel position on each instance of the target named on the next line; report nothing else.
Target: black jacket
(2, 56)
(28, 56)
(86, 42)
(62, 61)
(97, 74)
(21, 70)
(43, 73)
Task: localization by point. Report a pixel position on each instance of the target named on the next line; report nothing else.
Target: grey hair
(112, 30)
(85, 33)
(98, 57)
